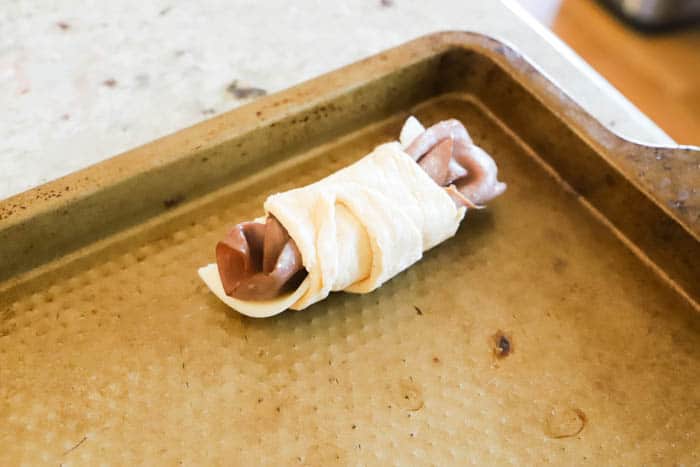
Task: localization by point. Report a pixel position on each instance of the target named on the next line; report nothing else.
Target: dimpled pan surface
(560, 325)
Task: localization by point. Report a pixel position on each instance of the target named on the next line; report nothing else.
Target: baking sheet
(539, 333)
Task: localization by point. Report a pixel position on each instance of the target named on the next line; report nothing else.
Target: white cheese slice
(255, 309)
(410, 131)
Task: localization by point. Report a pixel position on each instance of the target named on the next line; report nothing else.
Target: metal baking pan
(560, 325)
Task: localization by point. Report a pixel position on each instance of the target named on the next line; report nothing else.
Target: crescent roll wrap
(356, 228)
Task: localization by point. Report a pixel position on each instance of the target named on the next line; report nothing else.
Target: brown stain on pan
(502, 344)
(565, 423)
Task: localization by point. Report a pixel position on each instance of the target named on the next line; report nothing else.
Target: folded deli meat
(357, 228)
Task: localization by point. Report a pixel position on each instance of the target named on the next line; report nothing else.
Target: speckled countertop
(82, 81)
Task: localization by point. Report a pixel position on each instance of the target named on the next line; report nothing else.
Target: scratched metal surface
(533, 336)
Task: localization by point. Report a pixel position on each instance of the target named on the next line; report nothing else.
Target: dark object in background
(656, 15)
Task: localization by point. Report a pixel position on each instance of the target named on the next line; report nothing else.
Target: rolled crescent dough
(356, 228)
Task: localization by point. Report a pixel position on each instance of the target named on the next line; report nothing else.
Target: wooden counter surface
(659, 73)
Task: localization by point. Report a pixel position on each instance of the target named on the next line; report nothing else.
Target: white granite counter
(81, 81)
